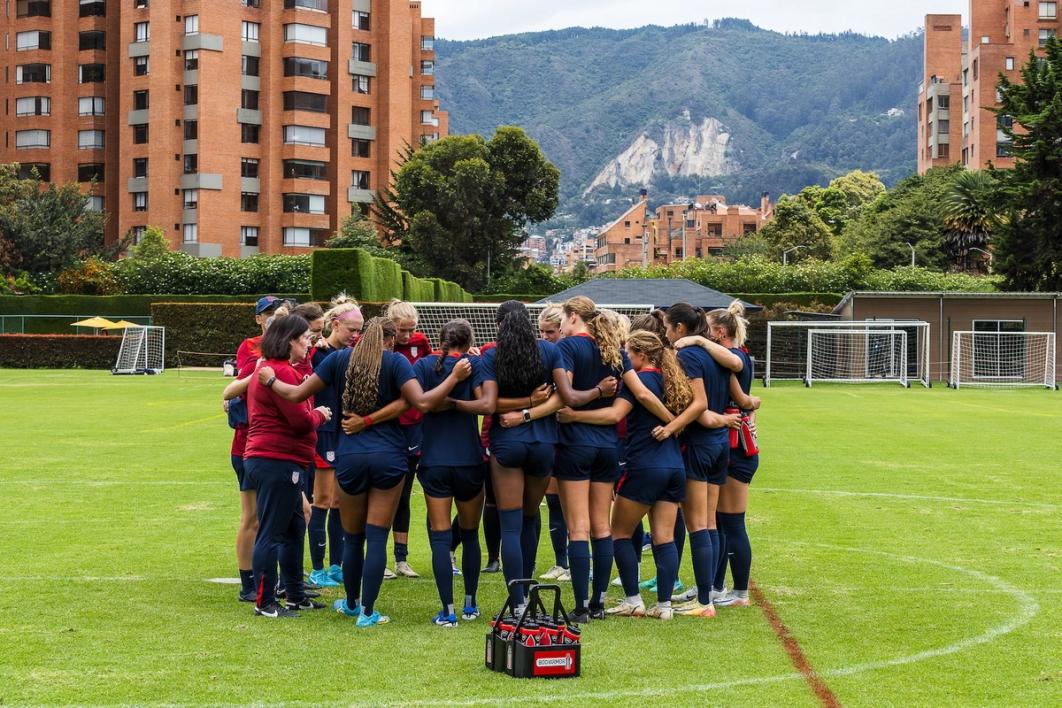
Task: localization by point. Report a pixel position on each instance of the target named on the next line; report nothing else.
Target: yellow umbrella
(94, 322)
(121, 324)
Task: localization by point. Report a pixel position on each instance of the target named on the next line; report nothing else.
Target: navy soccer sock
(680, 535)
(375, 560)
(603, 551)
(558, 530)
(739, 547)
(638, 540)
(579, 564)
(627, 563)
(714, 535)
(401, 551)
(703, 564)
(511, 549)
(455, 535)
(318, 536)
(720, 554)
(666, 556)
(492, 531)
(440, 568)
(471, 557)
(353, 562)
(530, 529)
(246, 581)
(335, 538)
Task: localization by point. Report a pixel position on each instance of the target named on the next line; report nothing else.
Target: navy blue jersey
(643, 451)
(395, 371)
(542, 430)
(326, 396)
(451, 438)
(748, 373)
(699, 364)
(582, 358)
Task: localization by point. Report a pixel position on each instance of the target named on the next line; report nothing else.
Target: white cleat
(553, 573)
(626, 608)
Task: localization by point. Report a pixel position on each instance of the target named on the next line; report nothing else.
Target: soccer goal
(857, 358)
(481, 316)
(143, 351)
(847, 355)
(1003, 359)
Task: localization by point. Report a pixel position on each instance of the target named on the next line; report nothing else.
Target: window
(33, 106)
(191, 59)
(1046, 34)
(1048, 10)
(191, 130)
(140, 3)
(140, 134)
(304, 203)
(33, 139)
(361, 51)
(35, 170)
(360, 148)
(249, 99)
(191, 198)
(137, 232)
(191, 95)
(1010, 63)
(37, 39)
(294, 236)
(248, 167)
(427, 93)
(427, 68)
(141, 31)
(304, 169)
(140, 201)
(359, 179)
(310, 68)
(306, 34)
(361, 84)
(93, 8)
(140, 66)
(90, 73)
(90, 172)
(191, 164)
(94, 204)
(248, 201)
(427, 118)
(93, 40)
(975, 70)
(427, 44)
(248, 235)
(943, 102)
(90, 139)
(321, 5)
(33, 8)
(943, 126)
(361, 20)
(191, 233)
(249, 31)
(1005, 149)
(249, 65)
(140, 100)
(90, 106)
(191, 24)
(33, 74)
(304, 135)
(140, 167)
(303, 101)
(251, 3)
(943, 151)
(359, 115)
(249, 133)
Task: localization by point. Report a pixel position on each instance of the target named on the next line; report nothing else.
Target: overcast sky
(472, 19)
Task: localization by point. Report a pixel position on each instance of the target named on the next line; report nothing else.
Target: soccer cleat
(660, 613)
(405, 570)
(731, 599)
(617, 582)
(626, 608)
(340, 606)
(564, 577)
(678, 586)
(372, 620)
(336, 573)
(597, 613)
(579, 616)
(717, 593)
(492, 567)
(249, 596)
(444, 620)
(696, 609)
(275, 611)
(553, 573)
(649, 584)
(389, 574)
(470, 613)
(682, 597)
(306, 604)
(322, 579)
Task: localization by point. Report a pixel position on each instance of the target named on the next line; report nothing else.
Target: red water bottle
(748, 440)
(735, 434)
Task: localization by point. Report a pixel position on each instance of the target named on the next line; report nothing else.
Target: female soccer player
(654, 481)
(280, 441)
(375, 386)
(549, 324)
(451, 468)
(413, 345)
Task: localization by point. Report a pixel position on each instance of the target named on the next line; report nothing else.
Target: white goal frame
(862, 364)
(143, 351)
(1032, 364)
(794, 366)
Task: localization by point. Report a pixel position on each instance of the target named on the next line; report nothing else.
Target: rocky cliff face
(680, 147)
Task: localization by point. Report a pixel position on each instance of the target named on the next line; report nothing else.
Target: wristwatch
(272, 380)
(527, 415)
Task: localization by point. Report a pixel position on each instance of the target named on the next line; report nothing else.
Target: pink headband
(350, 314)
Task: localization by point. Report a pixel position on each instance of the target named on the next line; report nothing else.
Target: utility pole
(912, 253)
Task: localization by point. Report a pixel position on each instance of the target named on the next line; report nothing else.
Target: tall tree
(1028, 248)
(970, 213)
(796, 225)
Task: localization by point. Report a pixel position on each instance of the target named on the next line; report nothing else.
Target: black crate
(538, 643)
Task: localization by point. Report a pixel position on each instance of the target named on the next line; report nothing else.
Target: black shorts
(534, 458)
(576, 463)
(461, 483)
(241, 472)
(356, 473)
(707, 463)
(648, 486)
(742, 468)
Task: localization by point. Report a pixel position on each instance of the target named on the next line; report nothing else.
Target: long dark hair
(455, 335)
(276, 342)
(362, 390)
(518, 363)
(692, 317)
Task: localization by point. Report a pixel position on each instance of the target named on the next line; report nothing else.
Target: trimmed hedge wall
(58, 351)
(371, 279)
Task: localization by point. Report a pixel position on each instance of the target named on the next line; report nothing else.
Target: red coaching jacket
(279, 429)
(417, 348)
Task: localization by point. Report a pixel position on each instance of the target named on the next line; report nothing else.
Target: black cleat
(492, 567)
(597, 613)
(275, 611)
(579, 616)
(248, 596)
(306, 604)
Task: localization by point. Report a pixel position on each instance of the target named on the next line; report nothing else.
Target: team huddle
(610, 420)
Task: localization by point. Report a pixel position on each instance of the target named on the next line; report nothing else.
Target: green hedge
(416, 289)
(372, 279)
(58, 351)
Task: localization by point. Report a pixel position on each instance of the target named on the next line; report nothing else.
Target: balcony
(249, 116)
(139, 49)
(360, 196)
(361, 68)
(201, 40)
(139, 117)
(137, 184)
(201, 180)
(361, 132)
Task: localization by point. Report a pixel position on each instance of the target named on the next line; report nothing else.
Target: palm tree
(969, 210)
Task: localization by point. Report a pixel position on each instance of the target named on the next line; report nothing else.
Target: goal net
(1003, 359)
(788, 348)
(143, 351)
(846, 355)
(481, 315)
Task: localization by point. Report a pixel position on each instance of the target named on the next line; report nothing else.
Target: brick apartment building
(703, 227)
(238, 126)
(955, 123)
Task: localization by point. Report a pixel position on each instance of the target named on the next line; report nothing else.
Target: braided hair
(455, 335)
(362, 391)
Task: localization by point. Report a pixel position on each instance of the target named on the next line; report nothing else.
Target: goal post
(848, 355)
(143, 351)
(788, 344)
(1003, 360)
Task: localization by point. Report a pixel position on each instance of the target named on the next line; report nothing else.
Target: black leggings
(401, 524)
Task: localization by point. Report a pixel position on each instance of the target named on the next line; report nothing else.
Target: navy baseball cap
(266, 303)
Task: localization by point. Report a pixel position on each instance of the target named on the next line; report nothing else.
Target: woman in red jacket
(280, 439)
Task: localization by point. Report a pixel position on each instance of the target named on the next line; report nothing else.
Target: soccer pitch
(908, 540)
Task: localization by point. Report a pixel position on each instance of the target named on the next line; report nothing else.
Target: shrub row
(58, 351)
(366, 277)
(182, 274)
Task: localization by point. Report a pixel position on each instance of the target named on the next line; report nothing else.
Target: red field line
(792, 647)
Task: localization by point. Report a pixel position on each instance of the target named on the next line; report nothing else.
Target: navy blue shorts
(241, 472)
(534, 458)
(649, 486)
(414, 436)
(742, 468)
(356, 472)
(707, 463)
(578, 463)
(461, 483)
(326, 449)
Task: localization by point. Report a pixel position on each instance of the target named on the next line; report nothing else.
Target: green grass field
(909, 539)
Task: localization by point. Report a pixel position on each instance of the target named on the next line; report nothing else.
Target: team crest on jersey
(295, 477)
(413, 352)
(330, 456)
